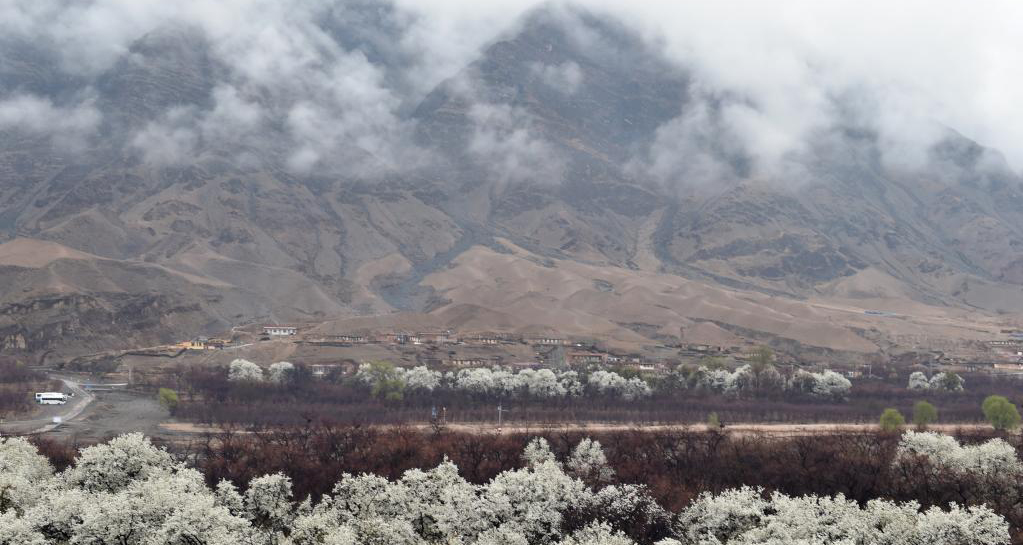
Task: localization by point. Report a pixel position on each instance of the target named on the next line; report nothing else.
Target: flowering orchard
(129, 492)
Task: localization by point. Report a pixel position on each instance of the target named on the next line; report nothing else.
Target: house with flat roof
(279, 330)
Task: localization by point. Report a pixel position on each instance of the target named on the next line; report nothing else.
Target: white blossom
(244, 370)
(824, 385)
(542, 383)
(421, 378)
(992, 458)
(532, 501)
(947, 381)
(597, 533)
(129, 492)
(745, 517)
(918, 381)
(613, 384)
(944, 381)
(281, 372)
(538, 452)
(588, 462)
(831, 385)
(268, 504)
(15, 530)
(24, 474)
(113, 465)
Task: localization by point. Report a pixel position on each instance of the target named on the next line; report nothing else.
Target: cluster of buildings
(470, 349)
(429, 338)
(204, 343)
(549, 349)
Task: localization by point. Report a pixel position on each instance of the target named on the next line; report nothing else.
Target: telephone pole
(500, 411)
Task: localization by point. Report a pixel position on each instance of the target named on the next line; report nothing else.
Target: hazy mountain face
(195, 171)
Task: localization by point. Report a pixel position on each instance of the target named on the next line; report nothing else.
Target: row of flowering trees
(388, 381)
(547, 383)
(940, 382)
(242, 370)
(752, 380)
(384, 379)
(128, 492)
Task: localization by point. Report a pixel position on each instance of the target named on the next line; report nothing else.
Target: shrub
(892, 420)
(168, 398)
(924, 413)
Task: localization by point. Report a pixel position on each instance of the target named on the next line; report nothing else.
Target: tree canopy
(1002, 414)
(892, 420)
(129, 492)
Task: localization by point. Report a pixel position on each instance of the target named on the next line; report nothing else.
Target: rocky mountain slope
(537, 150)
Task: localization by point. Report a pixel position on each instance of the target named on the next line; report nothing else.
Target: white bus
(51, 398)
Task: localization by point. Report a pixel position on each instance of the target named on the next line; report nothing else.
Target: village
(343, 352)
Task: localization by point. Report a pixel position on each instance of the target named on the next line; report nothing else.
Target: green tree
(924, 413)
(892, 420)
(713, 422)
(168, 398)
(1002, 414)
(385, 382)
(950, 382)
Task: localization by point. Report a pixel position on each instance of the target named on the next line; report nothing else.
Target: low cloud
(327, 80)
(68, 126)
(565, 77)
(170, 140)
(506, 141)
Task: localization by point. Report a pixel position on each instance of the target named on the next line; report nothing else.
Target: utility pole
(500, 411)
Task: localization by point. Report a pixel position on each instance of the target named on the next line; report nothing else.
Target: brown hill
(106, 247)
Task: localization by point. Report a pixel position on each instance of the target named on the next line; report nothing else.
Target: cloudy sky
(793, 69)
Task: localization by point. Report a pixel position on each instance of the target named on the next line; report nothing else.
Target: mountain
(534, 208)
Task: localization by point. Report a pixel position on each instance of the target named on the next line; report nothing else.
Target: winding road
(42, 422)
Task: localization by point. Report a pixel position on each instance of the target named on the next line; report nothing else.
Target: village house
(525, 364)
(204, 343)
(322, 370)
(279, 330)
(547, 341)
(198, 343)
(467, 362)
(619, 359)
(484, 338)
(585, 358)
(349, 338)
(399, 337)
(444, 337)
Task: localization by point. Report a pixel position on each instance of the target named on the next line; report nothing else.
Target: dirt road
(774, 430)
(777, 430)
(43, 421)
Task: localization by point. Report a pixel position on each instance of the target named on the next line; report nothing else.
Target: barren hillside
(534, 206)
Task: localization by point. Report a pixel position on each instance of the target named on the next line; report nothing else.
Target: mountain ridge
(539, 143)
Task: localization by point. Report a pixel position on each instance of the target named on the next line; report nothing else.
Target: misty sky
(792, 70)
